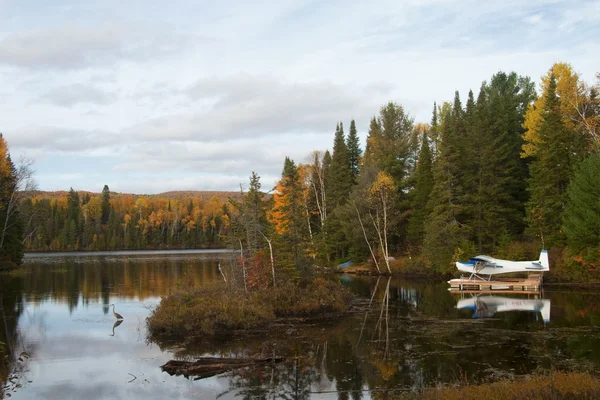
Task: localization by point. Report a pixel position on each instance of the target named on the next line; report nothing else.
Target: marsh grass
(555, 386)
(219, 309)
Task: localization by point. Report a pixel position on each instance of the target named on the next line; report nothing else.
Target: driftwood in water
(211, 366)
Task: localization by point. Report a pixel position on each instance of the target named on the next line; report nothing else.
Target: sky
(153, 96)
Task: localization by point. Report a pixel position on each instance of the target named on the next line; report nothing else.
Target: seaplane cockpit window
(479, 265)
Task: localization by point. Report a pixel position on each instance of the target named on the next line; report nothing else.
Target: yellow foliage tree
(569, 88)
(380, 193)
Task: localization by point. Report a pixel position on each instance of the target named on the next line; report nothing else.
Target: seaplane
(482, 268)
(487, 306)
(486, 265)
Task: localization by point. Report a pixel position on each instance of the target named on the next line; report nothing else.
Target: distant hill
(179, 194)
(207, 194)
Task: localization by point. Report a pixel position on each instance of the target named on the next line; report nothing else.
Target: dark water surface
(58, 338)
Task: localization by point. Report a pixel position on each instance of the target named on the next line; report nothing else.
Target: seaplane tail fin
(546, 311)
(544, 260)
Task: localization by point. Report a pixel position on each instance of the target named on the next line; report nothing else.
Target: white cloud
(63, 140)
(247, 106)
(157, 104)
(77, 93)
(75, 46)
(533, 19)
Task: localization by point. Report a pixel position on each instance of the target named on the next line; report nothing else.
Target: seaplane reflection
(117, 323)
(487, 305)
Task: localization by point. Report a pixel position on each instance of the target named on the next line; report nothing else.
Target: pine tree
(581, 221)
(434, 131)
(254, 214)
(373, 139)
(340, 175)
(73, 217)
(105, 204)
(388, 143)
(354, 151)
(442, 232)
(550, 172)
(421, 192)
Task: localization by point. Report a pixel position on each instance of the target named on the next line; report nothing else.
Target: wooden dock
(531, 284)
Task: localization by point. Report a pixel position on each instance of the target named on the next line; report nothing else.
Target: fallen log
(210, 366)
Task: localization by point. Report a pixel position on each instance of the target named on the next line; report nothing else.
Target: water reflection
(117, 323)
(486, 306)
(60, 339)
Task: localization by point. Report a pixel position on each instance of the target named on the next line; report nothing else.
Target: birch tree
(380, 200)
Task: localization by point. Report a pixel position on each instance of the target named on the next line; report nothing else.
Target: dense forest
(506, 171)
(111, 221)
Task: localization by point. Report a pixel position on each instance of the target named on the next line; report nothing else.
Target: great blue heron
(116, 314)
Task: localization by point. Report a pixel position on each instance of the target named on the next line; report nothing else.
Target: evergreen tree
(421, 192)
(105, 204)
(373, 139)
(434, 131)
(340, 174)
(254, 214)
(327, 160)
(550, 172)
(388, 143)
(581, 221)
(442, 232)
(73, 216)
(502, 173)
(73, 206)
(354, 151)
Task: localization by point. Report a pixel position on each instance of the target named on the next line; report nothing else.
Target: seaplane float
(482, 268)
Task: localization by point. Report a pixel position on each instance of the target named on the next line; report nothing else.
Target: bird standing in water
(116, 314)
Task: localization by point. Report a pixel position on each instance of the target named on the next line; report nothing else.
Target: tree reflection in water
(14, 358)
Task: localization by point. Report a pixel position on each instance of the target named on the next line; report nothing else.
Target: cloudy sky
(149, 96)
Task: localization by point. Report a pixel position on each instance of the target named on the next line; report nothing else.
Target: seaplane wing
(486, 265)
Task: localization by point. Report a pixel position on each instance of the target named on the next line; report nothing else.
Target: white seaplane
(487, 306)
(486, 265)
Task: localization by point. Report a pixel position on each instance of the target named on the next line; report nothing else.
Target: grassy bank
(218, 309)
(558, 385)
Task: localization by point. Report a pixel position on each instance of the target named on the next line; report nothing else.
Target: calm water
(58, 337)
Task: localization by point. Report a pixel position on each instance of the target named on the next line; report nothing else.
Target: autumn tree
(574, 103)
(288, 217)
(381, 194)
(551, 169)
(14, 181)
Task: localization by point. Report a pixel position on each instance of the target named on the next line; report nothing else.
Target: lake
(59, 339)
